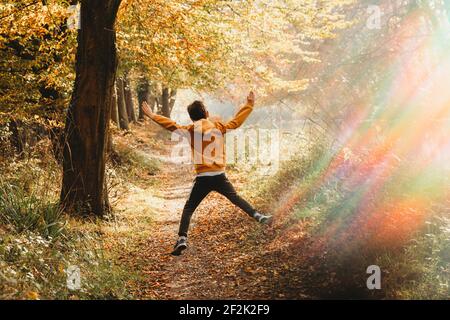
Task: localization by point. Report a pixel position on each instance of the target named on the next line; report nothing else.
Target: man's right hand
(251, 98)
(146, 109)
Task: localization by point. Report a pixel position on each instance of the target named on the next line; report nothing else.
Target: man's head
(197, 111)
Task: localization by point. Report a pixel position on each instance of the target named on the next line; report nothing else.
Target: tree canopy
(213, 45)
(36, 58)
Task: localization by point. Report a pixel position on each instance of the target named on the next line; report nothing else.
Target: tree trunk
(87, 122)
(158, 107)
(173, 94)
(153, 97)
(165, 107)
(143, 94)
(129, 100)
(115, 109)
(153, 103)
(109, 146)
(123, 114)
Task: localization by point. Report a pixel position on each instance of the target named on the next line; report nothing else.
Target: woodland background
(85, 180)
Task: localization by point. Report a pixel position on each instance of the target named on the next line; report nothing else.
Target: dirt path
(229, 255)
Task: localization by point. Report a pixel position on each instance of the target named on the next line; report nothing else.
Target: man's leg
(223, 186)
(199, 191)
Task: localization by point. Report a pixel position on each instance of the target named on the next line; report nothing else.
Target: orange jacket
(206, 138)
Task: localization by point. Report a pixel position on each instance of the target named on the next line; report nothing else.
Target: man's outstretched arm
(242, 114)
(164, 122)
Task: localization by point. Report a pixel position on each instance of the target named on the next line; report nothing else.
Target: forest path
(229, 255)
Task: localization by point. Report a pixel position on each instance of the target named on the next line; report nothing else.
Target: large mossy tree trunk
(87, 124)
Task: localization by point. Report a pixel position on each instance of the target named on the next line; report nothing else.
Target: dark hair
(197, 110)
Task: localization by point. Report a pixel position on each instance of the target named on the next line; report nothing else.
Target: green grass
(140, 161)
(26, 212)
(135, 166)
(423, 266)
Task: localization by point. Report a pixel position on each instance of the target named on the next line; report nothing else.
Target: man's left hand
(146, 109)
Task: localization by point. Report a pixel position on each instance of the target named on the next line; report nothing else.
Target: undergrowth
(410, 242)
(39, 244)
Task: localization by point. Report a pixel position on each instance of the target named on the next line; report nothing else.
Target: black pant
(203, 186)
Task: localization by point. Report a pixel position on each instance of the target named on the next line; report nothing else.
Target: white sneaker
(262, 218)
(179, 246)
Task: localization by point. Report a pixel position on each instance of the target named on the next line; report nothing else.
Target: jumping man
(206, 138)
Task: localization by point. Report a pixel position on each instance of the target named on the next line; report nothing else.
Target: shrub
(24, 212)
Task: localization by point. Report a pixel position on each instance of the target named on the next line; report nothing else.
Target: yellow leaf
(32, 295)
